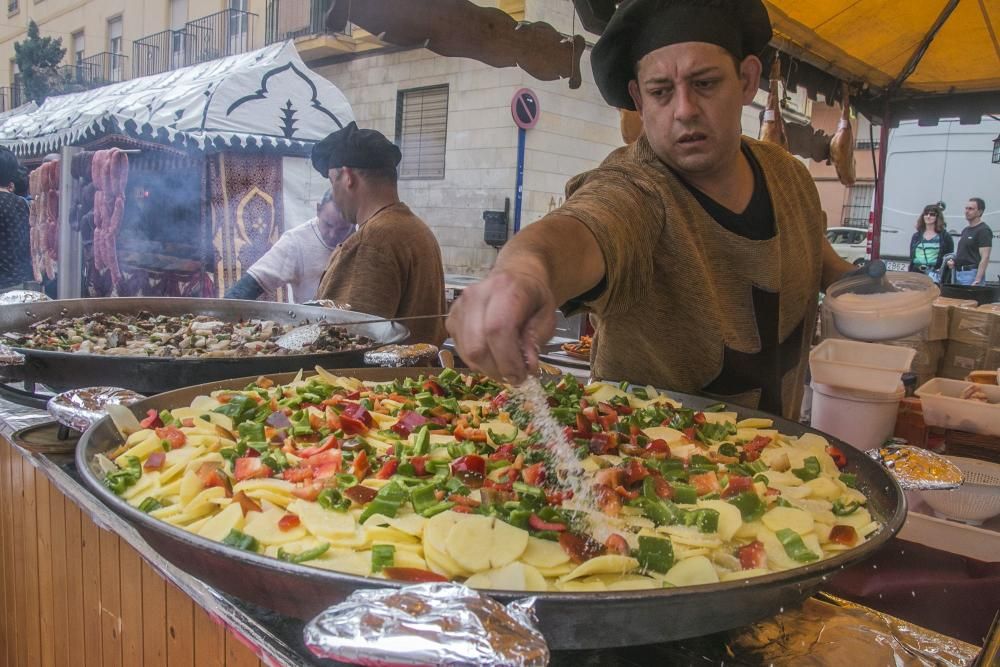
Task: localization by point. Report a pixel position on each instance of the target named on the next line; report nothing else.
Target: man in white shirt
(298, 259)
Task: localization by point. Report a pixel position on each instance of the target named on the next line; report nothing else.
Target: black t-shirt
(972, 239)
(756, 222)
(15, 245)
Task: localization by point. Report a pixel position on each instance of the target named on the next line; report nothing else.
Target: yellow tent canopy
(918, 47)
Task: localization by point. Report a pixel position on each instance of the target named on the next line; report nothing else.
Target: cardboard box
(973, 326)
(927, 361)
(961, 358)
(941, 314)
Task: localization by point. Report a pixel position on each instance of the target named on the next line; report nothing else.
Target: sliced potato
(666, 433)
(755, 422)
(721, 417)
(322, 522)
(264, 527)
(142, 450)
(544, 553)
(692, 572)
(730, 518)
(822, 487)
(743, 574)
(607, 564)
(220, 525)
(788, 517)
(591, 585)
(191, 486)
(556, 571)
(508, 543)
(469, 541)
(278, 486)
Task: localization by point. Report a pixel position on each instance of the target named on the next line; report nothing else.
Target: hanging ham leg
(772, 129)
(842, 143)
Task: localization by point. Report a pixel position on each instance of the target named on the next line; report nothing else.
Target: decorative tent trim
(202, 108)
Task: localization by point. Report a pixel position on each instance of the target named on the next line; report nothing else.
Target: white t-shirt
(298, 259)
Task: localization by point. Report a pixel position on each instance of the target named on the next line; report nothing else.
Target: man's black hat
(638, 27)
(353, 147)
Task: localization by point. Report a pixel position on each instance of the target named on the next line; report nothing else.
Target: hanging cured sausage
(772, 129)
(109, 171)
(43, 220)
(842, 143)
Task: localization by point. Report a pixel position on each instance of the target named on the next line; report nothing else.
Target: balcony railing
(160, 52)
(225, 33)
(289, 19)
(104, 68)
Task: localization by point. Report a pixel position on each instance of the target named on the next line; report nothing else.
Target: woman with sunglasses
(930, 243)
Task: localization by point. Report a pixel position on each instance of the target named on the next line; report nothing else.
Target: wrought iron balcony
(226, 33)
(290, 19)
(104, 68)
(161, 52)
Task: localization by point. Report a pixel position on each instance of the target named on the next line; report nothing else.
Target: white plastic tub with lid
(882, 315)
(862, 419)
(850, 364)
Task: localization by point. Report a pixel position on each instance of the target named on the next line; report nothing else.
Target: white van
(948, 162)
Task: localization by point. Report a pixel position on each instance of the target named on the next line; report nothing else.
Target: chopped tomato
(211, 475)
(388, 469)
(699, 418)
(537, 523)
(752, 449)
(609, 477)
(250, 468)
(464, 500)
(462, 509)
(503, 452)
(609, 501)
(354, 395)
(662, 487)
(352, 426)
(328, 443)
(602, 443)
(534, 474)
(246, 503)
(433, 387)
(289, 521)
(625, 493)
(407, 423)
(360, 494)
(590, 412)
(608, 422)
(499, 400)
(737, 485)
(845, 535)
(419, 464)
(690, 434)
(658, 449)
(579, 548)
(188, 423)
(152, 419)
(617, 544)
(300, 474)
(753, 556)
(634, 472)
(471, 434)
(172, 435)
(360, 469)
(583, 429)
(705, 483)
(413, 574)
(155, 461)
(469, 464)
(332, 420)
(837, 456)
(308, 492)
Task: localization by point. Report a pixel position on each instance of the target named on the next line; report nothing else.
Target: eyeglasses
(931, 213)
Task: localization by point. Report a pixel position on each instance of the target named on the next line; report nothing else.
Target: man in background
(974, 246)
(15, 244)
(299, 257)
(390, 267)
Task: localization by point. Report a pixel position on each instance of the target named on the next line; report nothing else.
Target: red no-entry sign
(525, 109)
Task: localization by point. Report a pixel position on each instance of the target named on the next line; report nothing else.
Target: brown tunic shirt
(689, 305)
(391, 267)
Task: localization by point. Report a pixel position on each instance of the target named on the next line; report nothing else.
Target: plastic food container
(850, 364)
(862, 419)
(885, 315)
(944, 407)
(977, 500)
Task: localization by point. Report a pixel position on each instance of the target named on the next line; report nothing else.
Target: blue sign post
(525, 110)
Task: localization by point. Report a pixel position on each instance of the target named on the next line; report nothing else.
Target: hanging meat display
(842, 143)
(772, 129)
(43, 220)
(109, 171)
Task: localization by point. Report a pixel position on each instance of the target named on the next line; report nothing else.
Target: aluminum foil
(16, 297)
(916, 468)
(82, 408)
(10, 357)
(400, 356)
(428, 624)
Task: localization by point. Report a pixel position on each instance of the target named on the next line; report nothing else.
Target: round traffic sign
(525, 109)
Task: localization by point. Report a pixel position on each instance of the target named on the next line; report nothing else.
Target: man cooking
(298, 258)
(391, 266)
(698, 252)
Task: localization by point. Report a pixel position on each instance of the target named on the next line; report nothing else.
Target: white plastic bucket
(863, 419)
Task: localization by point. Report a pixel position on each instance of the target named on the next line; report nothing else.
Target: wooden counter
(76, 594)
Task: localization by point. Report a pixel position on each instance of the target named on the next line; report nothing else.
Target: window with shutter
(858, 204)
(422, 132)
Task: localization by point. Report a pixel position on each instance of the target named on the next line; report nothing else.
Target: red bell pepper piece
(737, 485)
(752, 449)
(288, 522)
(580, 549)
(705, 483)
(533, 474)
(388, 469)
(172, 435)
(152, 419)
(699, 418)
(617, 544)
(360, 469)
(846, 535)
(328, 443)
(469, 464)
(634, 472)
(360, 494)
(537, 523)
(838, 456)
(753, 556)
(419, 464)
(155, 461)
(352, 426)
(412, 574)
(250, 468)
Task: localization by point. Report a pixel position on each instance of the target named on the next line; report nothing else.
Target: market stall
(174, 184)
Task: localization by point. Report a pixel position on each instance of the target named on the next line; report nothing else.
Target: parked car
(851, 243)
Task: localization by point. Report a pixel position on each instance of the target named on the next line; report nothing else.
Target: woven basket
(977, 500)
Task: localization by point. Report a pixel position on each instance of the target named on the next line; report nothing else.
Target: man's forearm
(981, 270)
(560, 252)
(246, 288)
(834, 266)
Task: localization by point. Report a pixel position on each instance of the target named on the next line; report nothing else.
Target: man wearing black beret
(698, 252)
(390, 267)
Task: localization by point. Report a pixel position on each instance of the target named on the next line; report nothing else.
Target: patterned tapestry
(245, 197)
